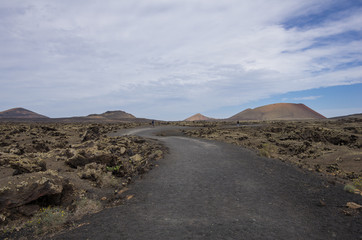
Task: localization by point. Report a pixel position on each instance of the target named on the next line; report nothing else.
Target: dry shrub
(355, 186)
(86, 206)
(49, 220)
(267, 150)
(110, 181)
(358, 183)
(349, 188)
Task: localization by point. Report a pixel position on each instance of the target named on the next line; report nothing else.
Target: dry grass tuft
(267, 150)
(86, 206)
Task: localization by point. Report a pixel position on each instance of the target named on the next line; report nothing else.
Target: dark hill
(357, 115)
(20, 113)
(112, 115)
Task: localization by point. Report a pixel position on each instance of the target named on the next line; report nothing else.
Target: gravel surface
(212, 190)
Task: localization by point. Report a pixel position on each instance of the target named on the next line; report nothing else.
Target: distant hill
(114, 115)
(198, 117)
(21, 113)
(278, 111)
(358, 115)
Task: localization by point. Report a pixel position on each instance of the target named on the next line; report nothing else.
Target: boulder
(20, 190)
(40, 146)
(353, 205)
(27, 165)
(28, 210)
(156, 155)
(78, 159)
(92, 133)
(82, 158)
(93, 172)
(123, 150)
(136, 158)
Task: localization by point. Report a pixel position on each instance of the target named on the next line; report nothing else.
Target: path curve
(211, 190)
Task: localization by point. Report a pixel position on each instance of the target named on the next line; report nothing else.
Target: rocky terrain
(52, 174)
(332, 147)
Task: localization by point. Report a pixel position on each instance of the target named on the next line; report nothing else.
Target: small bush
(349, 188)
(358, 183)
(48, 220)
(86, 206)
(355, 186)
(267, 150)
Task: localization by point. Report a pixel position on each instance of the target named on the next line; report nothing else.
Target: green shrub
(358, 183)
(48, 220)
(349, 188)
(114, 168)
(355, 186)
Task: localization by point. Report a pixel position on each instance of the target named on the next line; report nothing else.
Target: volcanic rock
(82, 158)
(93, 172)
(91, 133)
(24, 165)
(30, 187)
(353, 205)
(136, 158)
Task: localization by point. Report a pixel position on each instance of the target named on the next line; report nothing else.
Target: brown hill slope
(198, 117)
(278, 111)
(112, 115)
(20, 113)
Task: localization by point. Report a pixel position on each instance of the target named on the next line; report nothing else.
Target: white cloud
(306, 98)
(174, 57)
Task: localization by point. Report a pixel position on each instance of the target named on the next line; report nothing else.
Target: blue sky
(171, 59)
(330, 101)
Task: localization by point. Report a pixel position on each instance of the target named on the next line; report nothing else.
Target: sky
(171, 59)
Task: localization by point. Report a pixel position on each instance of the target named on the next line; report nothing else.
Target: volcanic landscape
(54, 172)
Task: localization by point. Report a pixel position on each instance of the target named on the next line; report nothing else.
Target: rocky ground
(213, 190)
(51, 174)
(332, 147)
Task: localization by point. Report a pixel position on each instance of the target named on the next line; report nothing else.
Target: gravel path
(212, 190)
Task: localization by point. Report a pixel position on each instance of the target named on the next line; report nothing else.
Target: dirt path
(212, 190)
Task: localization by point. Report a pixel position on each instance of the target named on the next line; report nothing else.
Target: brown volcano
(112, 115)
(20, 113)
(278, 111)
(198, 117)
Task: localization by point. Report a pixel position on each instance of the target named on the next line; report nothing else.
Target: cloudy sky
(171, 59)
